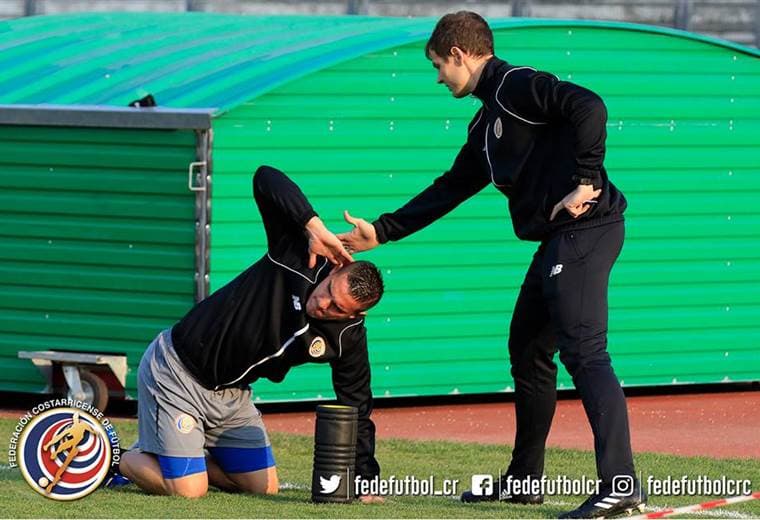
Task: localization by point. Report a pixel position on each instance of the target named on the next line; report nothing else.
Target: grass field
(399, 458)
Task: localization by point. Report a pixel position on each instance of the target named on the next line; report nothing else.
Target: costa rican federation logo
(317, 347)
(185, 423)
(65, 453)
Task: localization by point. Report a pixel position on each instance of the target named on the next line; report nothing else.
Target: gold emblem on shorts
(497, 129)
(185, 423)
(317, 347)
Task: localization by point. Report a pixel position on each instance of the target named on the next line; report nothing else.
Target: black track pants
(563, 306)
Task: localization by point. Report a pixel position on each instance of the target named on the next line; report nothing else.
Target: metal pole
(357, 7)
(203, 143)
(30, 7)
(521, 8)
(682, 15)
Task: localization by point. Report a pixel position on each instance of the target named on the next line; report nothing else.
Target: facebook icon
(482, 485)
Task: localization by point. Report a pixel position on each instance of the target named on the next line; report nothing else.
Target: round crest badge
(317, 347)
(185, 423)
(497, 129)
(65, 453)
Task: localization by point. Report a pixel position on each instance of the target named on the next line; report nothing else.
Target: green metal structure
(348, 106)
(98, 241)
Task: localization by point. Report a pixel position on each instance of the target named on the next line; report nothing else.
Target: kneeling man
(197, 424)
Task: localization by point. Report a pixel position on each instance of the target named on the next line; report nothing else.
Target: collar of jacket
(488, 81)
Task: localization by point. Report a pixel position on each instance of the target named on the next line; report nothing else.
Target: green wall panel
(367, 134)
(98, 242)
(348, 106)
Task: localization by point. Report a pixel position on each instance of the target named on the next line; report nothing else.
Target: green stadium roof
(199, 60)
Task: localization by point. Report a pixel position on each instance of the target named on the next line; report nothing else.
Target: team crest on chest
(317, 347)
(497, 129)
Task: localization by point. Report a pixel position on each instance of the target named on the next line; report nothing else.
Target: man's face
(453, 73)
(332, 300)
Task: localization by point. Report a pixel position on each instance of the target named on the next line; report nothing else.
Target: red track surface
(713, 425)
(725, 424)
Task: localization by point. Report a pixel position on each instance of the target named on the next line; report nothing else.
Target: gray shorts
(177, 417)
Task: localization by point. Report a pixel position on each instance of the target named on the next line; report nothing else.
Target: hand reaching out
(362, 238)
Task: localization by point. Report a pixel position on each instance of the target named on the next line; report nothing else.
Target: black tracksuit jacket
(256, 325)
(531, 137)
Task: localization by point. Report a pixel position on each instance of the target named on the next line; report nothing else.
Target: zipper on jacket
(488, 159)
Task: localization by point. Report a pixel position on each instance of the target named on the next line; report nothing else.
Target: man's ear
(457, 55)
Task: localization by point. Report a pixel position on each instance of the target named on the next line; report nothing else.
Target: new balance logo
(555, 270)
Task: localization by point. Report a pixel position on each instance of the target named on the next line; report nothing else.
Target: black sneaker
(115, 480)
(499, 493)
(608, 504)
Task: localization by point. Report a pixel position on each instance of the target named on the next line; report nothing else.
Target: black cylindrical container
(332, 479)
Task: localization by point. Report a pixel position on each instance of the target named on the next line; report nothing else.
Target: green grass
(400, 458)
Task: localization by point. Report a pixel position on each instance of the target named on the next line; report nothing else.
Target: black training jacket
(256, 325)
(533, 134)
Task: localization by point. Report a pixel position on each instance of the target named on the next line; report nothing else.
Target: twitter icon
(329, 485)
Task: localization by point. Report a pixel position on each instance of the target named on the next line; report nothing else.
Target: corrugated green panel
(365, 135)
(98, 242)
(364, 130)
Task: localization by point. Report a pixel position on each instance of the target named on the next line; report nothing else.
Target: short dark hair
(365, 283)
(463, 29)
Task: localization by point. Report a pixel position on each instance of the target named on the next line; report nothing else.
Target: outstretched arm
(448, 191)
(351, 382)
(288, 216)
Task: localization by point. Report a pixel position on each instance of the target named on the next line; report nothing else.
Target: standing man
(541, 142)
(287, 309)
